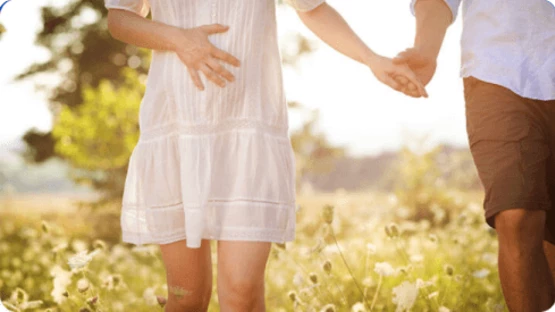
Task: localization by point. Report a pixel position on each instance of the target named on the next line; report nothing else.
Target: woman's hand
(398, 76)
(199, 54)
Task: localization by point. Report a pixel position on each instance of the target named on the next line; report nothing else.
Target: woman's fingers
(401, 80)
(388, 80)
(407, 87)
(214, 28)
(211, 75)
(220, 70)
(226, 57)
(196, 78)
(411, 76)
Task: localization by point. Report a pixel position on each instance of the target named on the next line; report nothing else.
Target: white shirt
(510, 43)
(213, 164)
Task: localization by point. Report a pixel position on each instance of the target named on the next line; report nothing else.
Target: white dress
(213, 164)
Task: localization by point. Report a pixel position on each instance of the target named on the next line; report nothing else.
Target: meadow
(367, 251)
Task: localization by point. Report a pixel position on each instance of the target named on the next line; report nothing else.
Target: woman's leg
(189, 276)
(241, 267)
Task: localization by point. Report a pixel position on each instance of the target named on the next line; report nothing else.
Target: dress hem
(134, 239)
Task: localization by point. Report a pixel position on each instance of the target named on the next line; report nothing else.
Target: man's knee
(521, 228)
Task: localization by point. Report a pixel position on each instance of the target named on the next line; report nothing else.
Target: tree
(83, 53)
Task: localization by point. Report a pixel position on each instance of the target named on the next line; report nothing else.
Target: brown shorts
(512, 140)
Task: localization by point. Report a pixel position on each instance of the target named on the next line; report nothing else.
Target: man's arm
(433, 17)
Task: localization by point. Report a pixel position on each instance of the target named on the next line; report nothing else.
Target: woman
(214, 160)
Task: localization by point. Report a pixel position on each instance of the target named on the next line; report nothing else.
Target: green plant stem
(346, 265)
(377, 292)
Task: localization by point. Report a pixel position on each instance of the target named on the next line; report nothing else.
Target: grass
(352, 252)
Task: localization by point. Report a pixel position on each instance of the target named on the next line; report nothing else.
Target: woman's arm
(328, 25)
(191, 45)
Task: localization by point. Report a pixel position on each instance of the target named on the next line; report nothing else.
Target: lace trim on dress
(179, 127)
(217, 202)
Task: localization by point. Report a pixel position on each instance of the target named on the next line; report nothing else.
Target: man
(508, 66)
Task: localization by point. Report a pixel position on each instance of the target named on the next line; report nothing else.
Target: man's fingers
(220, 70)
(403, 57)
(400, 59)
(211, 75)
(214, 28)
(226, 57)
(196, 78)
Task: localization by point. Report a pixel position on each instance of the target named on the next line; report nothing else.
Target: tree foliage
(98, 136)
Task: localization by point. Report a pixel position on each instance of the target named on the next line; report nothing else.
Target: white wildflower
(423, 284)
(384, 269)
(79, 245)
(81, 259)
(62, 279)
(149, 296)
(417, 258)
(28, 305)
(405, 296)
(371, 248)
(298, 279)
(358, 307)
(481, 273)
(490, 258)
(368, 282)
(82, 285)
(443, 309)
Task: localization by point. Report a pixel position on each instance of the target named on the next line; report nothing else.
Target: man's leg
(549, 249)
(508, 138)
(523, 268)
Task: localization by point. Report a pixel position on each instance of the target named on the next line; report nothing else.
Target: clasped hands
(408, 72)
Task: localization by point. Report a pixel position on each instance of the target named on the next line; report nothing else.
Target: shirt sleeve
(304, 5)
(140, 7)
(452, 4)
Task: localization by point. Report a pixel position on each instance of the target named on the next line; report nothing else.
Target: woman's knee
(241, 291)
(182, 299)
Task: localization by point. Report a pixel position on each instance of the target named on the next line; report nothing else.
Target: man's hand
(423, 65)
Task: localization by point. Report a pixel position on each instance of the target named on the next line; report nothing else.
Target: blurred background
(388, 194)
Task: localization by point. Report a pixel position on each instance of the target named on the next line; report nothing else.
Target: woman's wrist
(370, 58)
(169, 35)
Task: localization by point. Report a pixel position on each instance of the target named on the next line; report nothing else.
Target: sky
(356, 110)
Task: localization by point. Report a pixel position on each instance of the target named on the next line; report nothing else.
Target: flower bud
(327, 214)
(292, 295)
(313, 278)
(327, 266)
